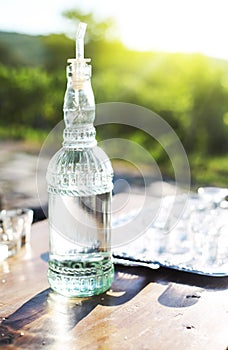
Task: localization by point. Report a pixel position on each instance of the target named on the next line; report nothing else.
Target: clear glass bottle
(79, 179)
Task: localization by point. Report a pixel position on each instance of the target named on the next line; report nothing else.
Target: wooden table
(145, 309)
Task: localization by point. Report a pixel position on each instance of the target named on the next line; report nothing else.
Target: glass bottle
(79, 179)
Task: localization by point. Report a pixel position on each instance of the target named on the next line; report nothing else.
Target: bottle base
(73, 279)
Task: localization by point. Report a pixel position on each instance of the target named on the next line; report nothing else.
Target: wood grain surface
(144, 309)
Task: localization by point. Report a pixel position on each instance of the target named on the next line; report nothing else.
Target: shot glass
(27, 216)
(15, 229)
(212, 196)
(11, 231)
(205, 229)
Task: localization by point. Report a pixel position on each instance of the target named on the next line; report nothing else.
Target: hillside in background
(189, 91)
(21, 50)
(17, 50)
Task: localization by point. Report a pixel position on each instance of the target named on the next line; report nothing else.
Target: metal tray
(201, 250)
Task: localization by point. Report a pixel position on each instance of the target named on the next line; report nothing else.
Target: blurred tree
(58, 48)
(28, 97)
(6, 56)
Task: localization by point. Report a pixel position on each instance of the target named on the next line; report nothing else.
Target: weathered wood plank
(145, 309)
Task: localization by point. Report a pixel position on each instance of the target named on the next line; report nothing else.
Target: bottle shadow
(42, 318)
(185, 289)
(48, 315)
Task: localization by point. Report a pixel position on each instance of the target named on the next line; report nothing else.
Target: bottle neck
(79, 108)
(84, 137)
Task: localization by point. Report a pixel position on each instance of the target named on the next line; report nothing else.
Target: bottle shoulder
(94, 156)
(80, 170)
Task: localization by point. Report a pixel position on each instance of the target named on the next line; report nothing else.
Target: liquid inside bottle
(79, 179)
(80, 261)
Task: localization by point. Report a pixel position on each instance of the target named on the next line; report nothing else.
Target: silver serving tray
(178, 248)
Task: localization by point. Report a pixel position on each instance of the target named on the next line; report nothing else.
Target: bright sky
(163, 25)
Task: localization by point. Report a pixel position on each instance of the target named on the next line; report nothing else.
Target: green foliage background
(189, 91)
